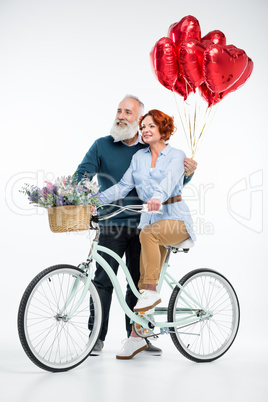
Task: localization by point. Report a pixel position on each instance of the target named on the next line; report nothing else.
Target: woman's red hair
(164, 123)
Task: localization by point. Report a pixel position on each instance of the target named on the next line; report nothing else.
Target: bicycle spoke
(51, 336)
(212, 335)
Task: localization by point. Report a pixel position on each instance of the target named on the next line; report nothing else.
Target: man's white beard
(124, 133)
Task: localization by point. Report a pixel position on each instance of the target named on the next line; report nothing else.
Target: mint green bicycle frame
(55, 307)
(164, 277)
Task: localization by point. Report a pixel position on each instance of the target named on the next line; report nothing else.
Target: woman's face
(150, 131)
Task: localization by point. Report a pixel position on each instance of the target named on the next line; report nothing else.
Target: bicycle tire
(50, 342)
(207, 340)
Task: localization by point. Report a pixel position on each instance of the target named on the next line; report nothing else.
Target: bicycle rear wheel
(204, 340)
(50, 339)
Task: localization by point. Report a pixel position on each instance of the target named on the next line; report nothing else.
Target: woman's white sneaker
(147, 300)
(132, 346)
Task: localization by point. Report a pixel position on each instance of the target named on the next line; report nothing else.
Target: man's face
(126, 120)
(128, 110)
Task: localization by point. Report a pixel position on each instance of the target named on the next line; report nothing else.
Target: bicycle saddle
(185, 245)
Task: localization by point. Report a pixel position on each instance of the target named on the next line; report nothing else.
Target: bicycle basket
(69, 218)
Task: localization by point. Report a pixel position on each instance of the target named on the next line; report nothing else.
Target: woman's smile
(150, 131)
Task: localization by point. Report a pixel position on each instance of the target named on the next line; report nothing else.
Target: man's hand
(154, 204)
(189, 165)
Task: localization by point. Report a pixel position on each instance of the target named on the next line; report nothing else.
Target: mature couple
(138, 168)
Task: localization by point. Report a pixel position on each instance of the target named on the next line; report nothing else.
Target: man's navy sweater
(110, 160)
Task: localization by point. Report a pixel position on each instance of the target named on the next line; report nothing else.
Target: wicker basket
(69, 218)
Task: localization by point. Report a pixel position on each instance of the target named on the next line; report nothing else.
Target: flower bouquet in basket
(68, 202)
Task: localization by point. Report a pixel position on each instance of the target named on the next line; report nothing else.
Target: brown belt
(171, 200)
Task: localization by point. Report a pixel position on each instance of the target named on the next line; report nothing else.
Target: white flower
(66, 192)
(91, 186)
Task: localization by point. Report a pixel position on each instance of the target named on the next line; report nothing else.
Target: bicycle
(202, 316)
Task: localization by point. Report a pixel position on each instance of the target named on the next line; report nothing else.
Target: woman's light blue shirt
(162, 182)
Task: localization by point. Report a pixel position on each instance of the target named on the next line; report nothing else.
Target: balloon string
(186, 106)
(182, 123)
(194, 130)
(207, 123)
(200, 135)
(187, 93)
(194, 119)
(199, 117)
(193, 112)
(207, 113)
(190, 131)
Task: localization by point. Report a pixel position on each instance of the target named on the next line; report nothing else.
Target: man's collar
(138, 141)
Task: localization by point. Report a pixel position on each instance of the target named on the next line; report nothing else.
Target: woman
(157, 173)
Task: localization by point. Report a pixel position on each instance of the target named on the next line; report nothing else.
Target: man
(109, 157)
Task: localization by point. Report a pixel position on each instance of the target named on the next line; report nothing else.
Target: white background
(65, 65)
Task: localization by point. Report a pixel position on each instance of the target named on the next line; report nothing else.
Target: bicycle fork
(86, 278)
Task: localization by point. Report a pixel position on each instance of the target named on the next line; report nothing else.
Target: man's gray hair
(141, 110)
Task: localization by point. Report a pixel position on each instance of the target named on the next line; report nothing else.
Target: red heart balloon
(181, 87)
(191, 61)
(230, 47)
(210, 97)
(241, 81)
(217, 37)
(164, 61)
(223, 67)
(187, 28)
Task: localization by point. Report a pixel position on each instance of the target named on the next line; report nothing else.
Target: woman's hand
(154, 204)
(93, 210)
(189, 165)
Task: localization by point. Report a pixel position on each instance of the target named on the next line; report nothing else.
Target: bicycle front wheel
(51, 339)
(208, 339)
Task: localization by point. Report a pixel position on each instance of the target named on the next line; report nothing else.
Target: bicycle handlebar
(133, 208)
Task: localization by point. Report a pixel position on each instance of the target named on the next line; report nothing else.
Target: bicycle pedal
(145, 313)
